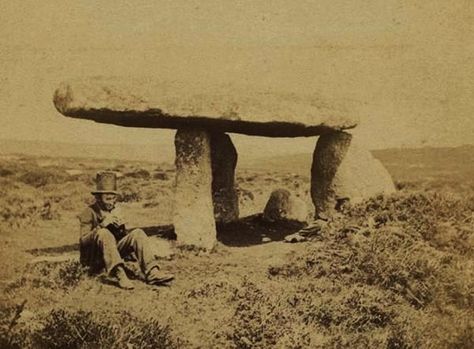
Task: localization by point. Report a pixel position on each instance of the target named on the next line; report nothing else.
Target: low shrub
(13, 335)
(127, 194)
(443, 220)
(259, 320)
(49, 211)
(39, 177)
(52, 275)
(139, 173)
(4, 172)
(20, 205)
(81, 329)
(160, 175)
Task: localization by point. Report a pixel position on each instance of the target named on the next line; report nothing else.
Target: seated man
(104, 239)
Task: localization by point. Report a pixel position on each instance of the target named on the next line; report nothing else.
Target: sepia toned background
(405, 67)
(393, 271)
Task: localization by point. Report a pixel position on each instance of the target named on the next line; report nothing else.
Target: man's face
(107, 201)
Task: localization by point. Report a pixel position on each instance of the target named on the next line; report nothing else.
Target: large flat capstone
(224, 108)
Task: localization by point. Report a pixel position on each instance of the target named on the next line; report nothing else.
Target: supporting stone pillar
(193, 212)
(342, 171)
(224, 193)
(330, 150)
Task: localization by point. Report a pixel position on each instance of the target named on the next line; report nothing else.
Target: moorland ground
(392, 272)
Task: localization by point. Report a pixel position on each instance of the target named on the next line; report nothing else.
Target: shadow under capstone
(245, 231)
(251, 230)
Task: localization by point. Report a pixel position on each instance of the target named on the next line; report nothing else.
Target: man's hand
(110, 219)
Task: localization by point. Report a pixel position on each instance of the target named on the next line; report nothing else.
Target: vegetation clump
(83, 330)
(376, 279)
(51, 275)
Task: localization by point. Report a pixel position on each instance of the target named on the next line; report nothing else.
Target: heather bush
(52, 275)
(139, 174)
(127, 194)
(443, 220)
(4, 172)
(19, 204)
(314, 315)
(13, 334)
(39, 177)
(262, 320)
(81, 329)
(78, 329)
(161, 175)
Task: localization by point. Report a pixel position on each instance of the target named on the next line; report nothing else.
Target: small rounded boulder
(285, 206)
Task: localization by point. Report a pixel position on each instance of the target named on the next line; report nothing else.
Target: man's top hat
(106, 183)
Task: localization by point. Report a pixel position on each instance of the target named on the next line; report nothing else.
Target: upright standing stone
(330, 150)
(224, 193)
(193, 213)
(345, 171)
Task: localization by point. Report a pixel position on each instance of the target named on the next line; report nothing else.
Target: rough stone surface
(224, 193)
(361, 176)
(296, 237)
(285, 206)
(193, 212)
(224, 108)
(343, 171)
(327, 157)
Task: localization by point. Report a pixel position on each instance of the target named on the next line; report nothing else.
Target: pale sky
(407, 66)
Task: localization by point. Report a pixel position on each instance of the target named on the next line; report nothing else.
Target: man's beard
(107, 207)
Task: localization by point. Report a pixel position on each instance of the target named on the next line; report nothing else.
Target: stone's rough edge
(155, 118)
(193, 212)
(259, 113)
(224, 159)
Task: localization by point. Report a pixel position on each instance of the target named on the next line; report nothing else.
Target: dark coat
(90, 219)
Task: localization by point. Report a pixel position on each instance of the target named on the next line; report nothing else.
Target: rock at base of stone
(193, 211)
(314, 228)
(224, 193)
(344, 171)
(362, 176)
(296, 237)
(285, 206)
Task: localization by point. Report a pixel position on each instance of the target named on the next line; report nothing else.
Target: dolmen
(206, 158)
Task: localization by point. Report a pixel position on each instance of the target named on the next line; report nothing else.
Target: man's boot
(156, 277)
(122, 279)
